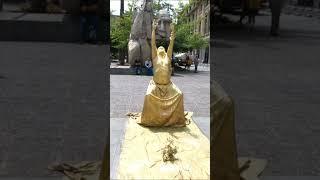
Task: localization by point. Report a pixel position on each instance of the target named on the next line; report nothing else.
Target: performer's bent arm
(153, 40)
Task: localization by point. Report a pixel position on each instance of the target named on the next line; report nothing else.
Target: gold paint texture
(163, 102)
(141, 152)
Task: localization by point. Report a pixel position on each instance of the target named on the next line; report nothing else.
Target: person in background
(138, 66)
(189, 62)
(244, 10)
(196, 63)
(253, 8)
(173, 60)
(148, 65)
(89, 20)
(276, 7)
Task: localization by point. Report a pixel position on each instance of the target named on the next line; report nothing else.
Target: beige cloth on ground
(141, 152)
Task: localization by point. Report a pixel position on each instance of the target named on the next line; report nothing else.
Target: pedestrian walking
(276, 7)
(189, 62)
(253, 9)
(196, 63)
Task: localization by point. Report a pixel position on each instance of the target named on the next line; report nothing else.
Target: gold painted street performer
(163, 103)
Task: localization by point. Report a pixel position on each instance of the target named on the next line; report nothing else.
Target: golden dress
(225, 157)
(163, 102)
(144, 148)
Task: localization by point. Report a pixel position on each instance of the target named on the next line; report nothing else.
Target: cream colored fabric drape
(141, 152)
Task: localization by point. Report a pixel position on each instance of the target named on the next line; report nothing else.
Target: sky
(115, 5)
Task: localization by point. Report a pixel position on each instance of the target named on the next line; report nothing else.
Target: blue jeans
(138, 70)
(88, 25)
(149, 72)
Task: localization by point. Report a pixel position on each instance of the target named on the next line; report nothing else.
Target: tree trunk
(121, 56)
(121, 51)
(122, 8)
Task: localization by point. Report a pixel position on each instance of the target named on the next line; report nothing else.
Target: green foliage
(121, 27)
(163, 4)
(186, 38)
(132, 4)
(120, 31)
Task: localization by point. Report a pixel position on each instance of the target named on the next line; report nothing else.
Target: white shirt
(148, 64)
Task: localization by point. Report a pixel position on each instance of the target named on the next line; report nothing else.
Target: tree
(163, 4)
(122, 49)
(121, 7)
(120, 31)
(186, 38)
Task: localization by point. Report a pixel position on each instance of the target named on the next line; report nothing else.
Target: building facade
(199, 14)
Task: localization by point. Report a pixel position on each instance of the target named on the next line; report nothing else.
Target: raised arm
(172, 38)
(153, 40)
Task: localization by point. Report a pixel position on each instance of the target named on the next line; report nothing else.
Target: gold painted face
(161, 51)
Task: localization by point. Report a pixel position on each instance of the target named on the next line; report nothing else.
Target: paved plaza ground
(275, 84)
(127, 92)
(52, 106)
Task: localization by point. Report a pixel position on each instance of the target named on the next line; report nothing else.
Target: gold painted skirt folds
(163, 106)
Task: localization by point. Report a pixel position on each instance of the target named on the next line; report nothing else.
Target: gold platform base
(141, 153)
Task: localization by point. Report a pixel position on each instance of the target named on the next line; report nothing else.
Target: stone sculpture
(139, 47)
(164, 22)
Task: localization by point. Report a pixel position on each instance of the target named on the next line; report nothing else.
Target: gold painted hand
(173, 33)
(154, 25)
